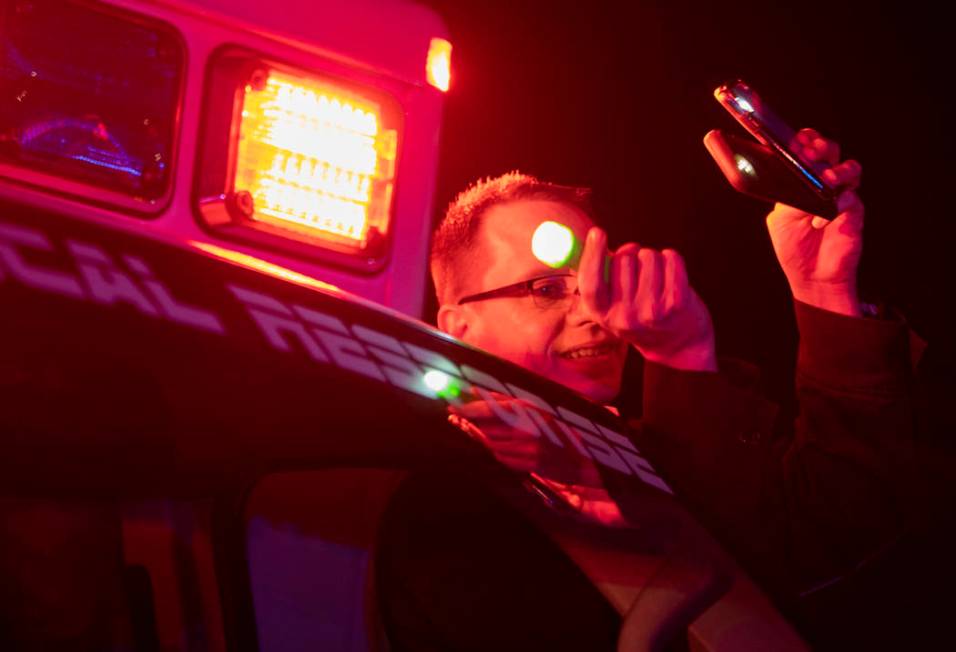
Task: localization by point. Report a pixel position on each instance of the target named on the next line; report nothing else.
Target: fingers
(784, 215)
(813, 147)
(650, 284)
(646, 296)
(592, 283)
(646, 285)
(517, 449)
(848, 202)
(624, 270)
(850, 219)
(816, 149)
(675, 280)
(851, 211)
(511, 446)
(477, 411)
(521, 456)
(846, 175)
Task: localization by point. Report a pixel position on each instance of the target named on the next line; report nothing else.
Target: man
(801, 509)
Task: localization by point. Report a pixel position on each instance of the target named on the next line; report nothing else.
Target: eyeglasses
(546, 291)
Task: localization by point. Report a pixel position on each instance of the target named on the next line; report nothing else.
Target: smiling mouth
(594, 351)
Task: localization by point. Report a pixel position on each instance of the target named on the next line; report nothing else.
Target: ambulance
(214, 227)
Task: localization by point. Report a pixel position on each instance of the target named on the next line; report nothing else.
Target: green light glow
(444, 385)
(436, 381)
(554, 244)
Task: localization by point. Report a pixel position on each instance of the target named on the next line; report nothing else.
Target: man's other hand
(563, 473)
(643, 296)
(820, 257)
(504, 425)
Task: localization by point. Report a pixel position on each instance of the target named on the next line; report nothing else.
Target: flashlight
(554, 244)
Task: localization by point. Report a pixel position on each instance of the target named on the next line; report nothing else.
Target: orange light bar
(315, 158)
(438, 64)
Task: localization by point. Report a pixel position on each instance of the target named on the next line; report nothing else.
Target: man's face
(561, 343)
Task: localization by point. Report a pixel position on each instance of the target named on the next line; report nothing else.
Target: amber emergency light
(311, 162)
(438, 64)
(314, 159)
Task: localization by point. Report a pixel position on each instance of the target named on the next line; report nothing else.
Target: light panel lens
(315, 158)
(90, 94)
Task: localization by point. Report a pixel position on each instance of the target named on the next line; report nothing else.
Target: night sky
(618, 98)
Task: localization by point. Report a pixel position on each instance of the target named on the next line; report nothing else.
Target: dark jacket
(814, 509)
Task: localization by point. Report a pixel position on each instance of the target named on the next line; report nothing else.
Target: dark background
(617, 96)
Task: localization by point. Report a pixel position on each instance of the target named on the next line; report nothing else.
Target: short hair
(457, 232)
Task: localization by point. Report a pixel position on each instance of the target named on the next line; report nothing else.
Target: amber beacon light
(438, 64)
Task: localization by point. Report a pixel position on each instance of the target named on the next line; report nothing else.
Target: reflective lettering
(510, 412)
(104, 280)
(537, 417)
(13, 237)
(572, 436)
(400, 371)
(321, 320)
(432, 359)
(276, 322)
(602, 451)
(485, 380)
(629, 453)
(616, 438)
(345, 351)
(644, 470)
(174, 310)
